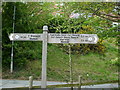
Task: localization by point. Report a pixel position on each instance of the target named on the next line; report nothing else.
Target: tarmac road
(23, 83)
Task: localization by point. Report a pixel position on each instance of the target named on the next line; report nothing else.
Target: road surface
(25, 83)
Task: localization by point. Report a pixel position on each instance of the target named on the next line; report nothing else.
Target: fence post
(80, 82)
(30, 82)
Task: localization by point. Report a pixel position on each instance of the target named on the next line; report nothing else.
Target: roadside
(25, 83)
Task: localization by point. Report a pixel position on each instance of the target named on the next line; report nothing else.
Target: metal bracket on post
(44, 57)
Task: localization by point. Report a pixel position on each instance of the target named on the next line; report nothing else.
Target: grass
(92, 67)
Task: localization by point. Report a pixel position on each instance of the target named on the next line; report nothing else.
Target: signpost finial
(45, 28)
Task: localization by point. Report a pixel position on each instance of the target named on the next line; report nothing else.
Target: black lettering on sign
(64, 40)
(58, 37)
(35, 35)
(82, 40)
(74, 37)
(63, 35)
(66, 37)
(82, 35)
(52, 37)
(33, 38)
(86, 36)
(22, 36)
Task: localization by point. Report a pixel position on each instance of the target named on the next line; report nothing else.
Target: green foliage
(26, 21)
(86, 23)
(92, 67)
(63, 25)
(114, 61)
(31, 16)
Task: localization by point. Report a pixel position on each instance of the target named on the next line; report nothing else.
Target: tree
(30, 18)
(106, 10)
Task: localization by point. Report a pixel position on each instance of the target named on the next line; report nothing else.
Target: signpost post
(44, 57)
(52, 38)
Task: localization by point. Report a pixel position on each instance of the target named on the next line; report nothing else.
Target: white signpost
(26, 37)
(52, 38)
(72, 38)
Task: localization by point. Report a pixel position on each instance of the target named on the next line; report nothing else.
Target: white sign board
(25, 37)
(56, 38)
(72, 38)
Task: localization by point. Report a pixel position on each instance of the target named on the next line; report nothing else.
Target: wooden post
(80, 82)
(44, 57)
(30, 82)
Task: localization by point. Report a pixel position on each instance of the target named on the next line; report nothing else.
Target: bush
(114, 62)
(20, 63)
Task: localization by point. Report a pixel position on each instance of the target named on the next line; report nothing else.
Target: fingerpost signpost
(52, 38)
